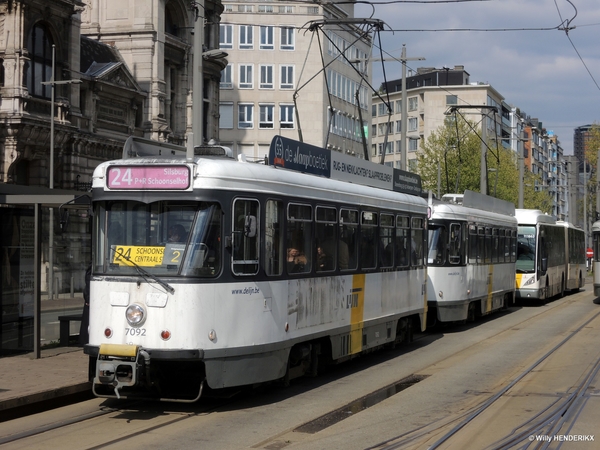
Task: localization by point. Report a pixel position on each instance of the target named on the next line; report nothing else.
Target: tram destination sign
(166, 177)
(306, 158)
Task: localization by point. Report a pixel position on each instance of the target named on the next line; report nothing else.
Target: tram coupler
(118, 366)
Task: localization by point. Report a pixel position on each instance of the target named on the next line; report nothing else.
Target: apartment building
(292, 70)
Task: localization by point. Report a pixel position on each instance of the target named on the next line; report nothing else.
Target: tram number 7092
(135, 332)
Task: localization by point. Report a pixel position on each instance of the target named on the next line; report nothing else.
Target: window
(299, 238)
(328, 250)
(265, 8)
(374, 130)
(40, 66)
(246, 76)
(245, 116)
(227, 77)
(287, 38)
(286, 116)
(386, 240)
(266, 77)
(412, 124)
(402, 248)
(413, 145)
(266, 113)
(286, 10)
(287, 77)
(382, 110)
(274, 257)
(226, 116)
(398, 126)
(349, 233)
(245, 239)
(399, 106)
(226, 36)
(416, 243)
(373, 110)
(413, 103)
(368, 243)
(451, 100)
(312, 10)
(266, 38)
(244, 8)
(246, 36)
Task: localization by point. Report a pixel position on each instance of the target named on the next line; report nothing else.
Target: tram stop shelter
(25, 245)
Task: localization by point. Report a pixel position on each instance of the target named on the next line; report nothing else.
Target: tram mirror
(250, 226)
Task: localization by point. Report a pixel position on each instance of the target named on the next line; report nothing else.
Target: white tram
(550, 256)
(211, 270)
(596, 261)
(471, 257)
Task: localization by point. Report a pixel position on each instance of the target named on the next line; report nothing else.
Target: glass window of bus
(417, 241)
(473, 244)
(368, 239)
(386, 240)
(299, 238)
(437, 243)
(245, 238)
(526, 249)
(326, 239)
(402, 241)
(349, 235)
(205, 250)
(455, 244)
(495, 249)
(274, 247)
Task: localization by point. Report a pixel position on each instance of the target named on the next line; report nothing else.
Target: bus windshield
(165, 238)
(526, 249)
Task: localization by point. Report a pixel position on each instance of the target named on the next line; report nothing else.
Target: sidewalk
(24, 381)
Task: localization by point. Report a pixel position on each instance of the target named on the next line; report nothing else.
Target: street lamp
(52, 83)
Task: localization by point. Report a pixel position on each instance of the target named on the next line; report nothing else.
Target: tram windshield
(526, 249)
(437, 245)
(166, 238)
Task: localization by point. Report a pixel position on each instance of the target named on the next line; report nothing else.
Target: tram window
(501, 245)
(299, 238)
(368, 240)
(473, 244)
(326, 239)
(416, 241)
(437, 244)
(204, 254)
(245, 239)
(274, 247)
(386, 240)
(488, 245)
(495, 248)
(349, 236)
(402, 241)
(481, 248)
(454, 244)
(513, 246)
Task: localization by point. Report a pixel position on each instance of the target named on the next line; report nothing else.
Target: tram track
(555, 420)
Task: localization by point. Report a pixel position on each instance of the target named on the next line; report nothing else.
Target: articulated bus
(596, 263)
(550, 256)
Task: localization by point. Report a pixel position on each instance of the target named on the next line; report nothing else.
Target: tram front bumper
(119, 365)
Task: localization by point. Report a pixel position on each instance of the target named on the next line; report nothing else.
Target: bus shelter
(28, 220)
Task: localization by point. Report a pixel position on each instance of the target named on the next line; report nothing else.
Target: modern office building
(293, 70)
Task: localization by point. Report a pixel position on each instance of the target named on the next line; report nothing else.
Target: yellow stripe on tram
(357, 311)
(490, 288)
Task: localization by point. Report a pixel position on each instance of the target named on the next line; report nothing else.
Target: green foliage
(457, 149)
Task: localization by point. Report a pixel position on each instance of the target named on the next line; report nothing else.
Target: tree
(454, 150)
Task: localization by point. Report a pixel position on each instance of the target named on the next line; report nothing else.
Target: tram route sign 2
(306, 158)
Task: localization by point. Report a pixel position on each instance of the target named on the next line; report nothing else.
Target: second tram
(471, 257)
(596, 261)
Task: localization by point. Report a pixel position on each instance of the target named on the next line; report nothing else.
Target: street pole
(51, 176)
(483, 171)
(521, 167)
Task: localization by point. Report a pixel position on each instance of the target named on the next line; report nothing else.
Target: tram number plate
(135, 332)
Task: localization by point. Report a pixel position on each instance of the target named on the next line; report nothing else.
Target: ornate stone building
(121, 68)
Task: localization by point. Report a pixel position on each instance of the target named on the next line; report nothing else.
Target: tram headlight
(135, 314)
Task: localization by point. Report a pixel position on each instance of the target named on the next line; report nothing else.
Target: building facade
(77, 78)
(291, 72)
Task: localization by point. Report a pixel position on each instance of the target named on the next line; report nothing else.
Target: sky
(547, 73)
